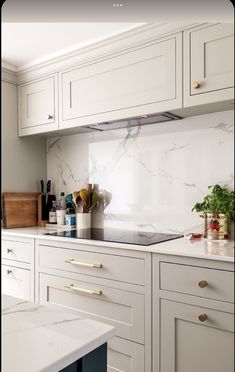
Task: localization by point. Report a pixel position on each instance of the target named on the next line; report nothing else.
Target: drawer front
(17, 250)
(125, 356)
(197, 281)
(122, 309)
(16, 282)
(121, 268)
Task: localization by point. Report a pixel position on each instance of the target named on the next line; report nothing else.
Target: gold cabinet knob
(50, 117)
(195, 85)
(9, 272)
(9, 250)
(202, 317)
(203, 284)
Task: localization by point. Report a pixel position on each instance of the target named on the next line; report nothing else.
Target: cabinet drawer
(122, 309)
(16, 282)
(18, 250)
(121, 268)
(125, 356)
(197, 281)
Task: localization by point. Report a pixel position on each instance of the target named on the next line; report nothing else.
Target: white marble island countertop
(46, 338)
(199, 248)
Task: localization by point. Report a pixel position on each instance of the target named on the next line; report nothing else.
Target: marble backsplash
(155, 173)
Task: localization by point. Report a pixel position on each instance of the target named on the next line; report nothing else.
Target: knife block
(44, 205)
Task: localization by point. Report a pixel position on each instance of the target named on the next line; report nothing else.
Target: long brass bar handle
(82, 290)
(74, 262)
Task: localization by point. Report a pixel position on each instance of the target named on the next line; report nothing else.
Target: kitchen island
(49, 339)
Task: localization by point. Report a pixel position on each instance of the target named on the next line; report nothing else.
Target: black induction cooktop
(116, 236)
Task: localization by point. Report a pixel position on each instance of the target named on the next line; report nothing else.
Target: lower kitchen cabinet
(95, 283)
(16, 282)
(18, 267)
(193, 315)
(195, 339)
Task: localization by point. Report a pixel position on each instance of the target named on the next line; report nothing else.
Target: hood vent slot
(134, 121)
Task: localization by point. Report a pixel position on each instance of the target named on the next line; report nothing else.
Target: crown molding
(8, 75)
(102, 49)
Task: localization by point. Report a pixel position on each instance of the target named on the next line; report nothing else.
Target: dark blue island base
(95, 361)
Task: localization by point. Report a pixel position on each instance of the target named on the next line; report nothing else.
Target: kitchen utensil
(80, 205)
(84, 194)
(42, 186)
(75, 194)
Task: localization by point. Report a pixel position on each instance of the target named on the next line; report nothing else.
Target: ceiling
(25, 44)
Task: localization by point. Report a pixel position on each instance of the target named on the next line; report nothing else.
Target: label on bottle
(52, 217)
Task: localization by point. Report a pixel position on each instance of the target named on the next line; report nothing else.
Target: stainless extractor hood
(134, 121)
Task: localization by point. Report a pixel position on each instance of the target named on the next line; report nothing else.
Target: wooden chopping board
(20, 209)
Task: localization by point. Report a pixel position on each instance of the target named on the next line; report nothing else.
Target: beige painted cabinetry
(141, 80)
(105, 284)
(209, 64)
(38, 106)
(18, 267)
(193, 315)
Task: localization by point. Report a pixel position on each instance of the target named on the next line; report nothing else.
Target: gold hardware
(203, 317)
(50, 117)
(82, 290)
(203, 284)
(74, 262)
(9, 250)
(195, 85)
(9, 272)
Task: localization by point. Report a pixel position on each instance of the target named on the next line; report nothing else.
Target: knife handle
(42, 186)
(49, 186)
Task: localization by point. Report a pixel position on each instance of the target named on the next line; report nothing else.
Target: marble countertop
(201, 248)
(46, 338)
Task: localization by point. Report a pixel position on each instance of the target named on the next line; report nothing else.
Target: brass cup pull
(85, 264)
(9, 272)
(9, 250)
(202, 317)
(50, 117)
(203, 284)
(82, 290)
(195, 85)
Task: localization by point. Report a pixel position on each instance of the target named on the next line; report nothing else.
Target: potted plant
(218, 210)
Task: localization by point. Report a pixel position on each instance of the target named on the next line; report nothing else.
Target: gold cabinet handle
(9, 272)
(203, 284)
(82, 290)
(9, 250)
(74, 262)
(202, 317)
(195, 85)
(50, 117)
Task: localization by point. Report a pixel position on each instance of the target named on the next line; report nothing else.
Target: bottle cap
(62, 194)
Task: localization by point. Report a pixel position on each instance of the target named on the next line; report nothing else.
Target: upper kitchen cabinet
(209, 64)
(38, 106)
(137, 81)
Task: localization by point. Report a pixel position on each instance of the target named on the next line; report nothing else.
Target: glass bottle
(62, 203)
(52, 213)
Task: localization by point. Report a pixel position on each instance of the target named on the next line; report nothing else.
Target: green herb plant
(220, 200)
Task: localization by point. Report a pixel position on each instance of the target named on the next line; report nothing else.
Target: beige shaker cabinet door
(139, 81)
(209, 64)
(16, 282)
(37, 106)
(188, 344)
(125, 356)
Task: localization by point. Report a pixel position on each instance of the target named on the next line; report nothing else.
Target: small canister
(70, 219)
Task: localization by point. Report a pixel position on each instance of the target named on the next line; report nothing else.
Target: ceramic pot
(83, 221)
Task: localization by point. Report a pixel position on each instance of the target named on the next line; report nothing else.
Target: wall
(155, 173)
(23, 159)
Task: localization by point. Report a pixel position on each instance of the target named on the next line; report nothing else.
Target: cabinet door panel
(125, 356)
(37, 106)
(212, 58)
(16, 282)
(137, 78)
(122, 309)
(190, 345)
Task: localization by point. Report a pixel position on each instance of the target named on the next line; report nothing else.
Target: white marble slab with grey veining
(156, 173)
(46, 338)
